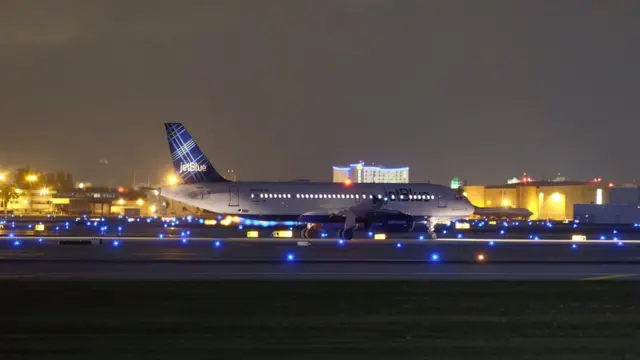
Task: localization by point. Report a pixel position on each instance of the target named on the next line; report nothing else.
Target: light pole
(105, 162)
(3, 178)
(232, 173)
(31, 178)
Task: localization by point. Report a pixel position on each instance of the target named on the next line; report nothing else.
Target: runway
(313, 271)
(190, 259)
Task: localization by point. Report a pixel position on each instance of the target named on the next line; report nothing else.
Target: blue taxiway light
(398, 245)
(435, 257)
(444, 231)
(119, 228)
(615, 238)
(603, 237)
(240, 227)
(620, 243)
(536, 238)
(421, 237)
(615, 231)
(459, 236)
(161, 236)
(184, 241)
(574, 246)
(340, 242)
(501, 232)
(116, 243)
(491, 243)
(290, 257)
(370, 234)
(11, 235)
(40, 241)
(217, 244)
(16, 243)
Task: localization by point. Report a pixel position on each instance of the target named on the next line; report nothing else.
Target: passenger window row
(339, 196)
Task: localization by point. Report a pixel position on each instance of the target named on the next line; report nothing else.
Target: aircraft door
(442, 201)
(234, 195)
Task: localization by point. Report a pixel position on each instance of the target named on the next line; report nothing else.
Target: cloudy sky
(279, 90)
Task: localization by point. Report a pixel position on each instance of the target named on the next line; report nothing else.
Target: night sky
(282, 90)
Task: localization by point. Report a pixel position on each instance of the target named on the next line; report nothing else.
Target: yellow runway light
(380, 236)
(283, 234)
(463, 225)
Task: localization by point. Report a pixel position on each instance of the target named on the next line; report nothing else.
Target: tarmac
(122, 258)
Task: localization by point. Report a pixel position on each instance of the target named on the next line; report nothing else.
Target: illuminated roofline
(405, 168)
(387, 169)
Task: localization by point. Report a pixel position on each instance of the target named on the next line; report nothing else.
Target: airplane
(314, 205)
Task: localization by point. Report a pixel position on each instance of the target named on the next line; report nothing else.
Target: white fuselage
(293, 199)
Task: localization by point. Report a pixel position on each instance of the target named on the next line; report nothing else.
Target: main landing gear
(314, 231)
(311, 231)
(431, 228)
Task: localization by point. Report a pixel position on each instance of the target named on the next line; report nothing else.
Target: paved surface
(234, 259)
(300, 271)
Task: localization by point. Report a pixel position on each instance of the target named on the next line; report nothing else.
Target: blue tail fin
(188, 161)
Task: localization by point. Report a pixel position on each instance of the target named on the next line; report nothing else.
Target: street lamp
(31, 178)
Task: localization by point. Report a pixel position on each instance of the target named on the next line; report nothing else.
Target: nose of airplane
(470, 207)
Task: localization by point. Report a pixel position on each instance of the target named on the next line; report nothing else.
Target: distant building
(623, 207)
(553, 200)
(363, 173)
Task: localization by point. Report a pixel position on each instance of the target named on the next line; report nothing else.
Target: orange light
(610, 184)
(480, 257)
(347, 182)
(120, 189)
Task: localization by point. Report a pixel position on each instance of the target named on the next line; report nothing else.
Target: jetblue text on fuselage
(192, 167)
(406, 194)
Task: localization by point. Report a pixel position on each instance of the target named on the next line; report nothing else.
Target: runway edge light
(380, 236)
